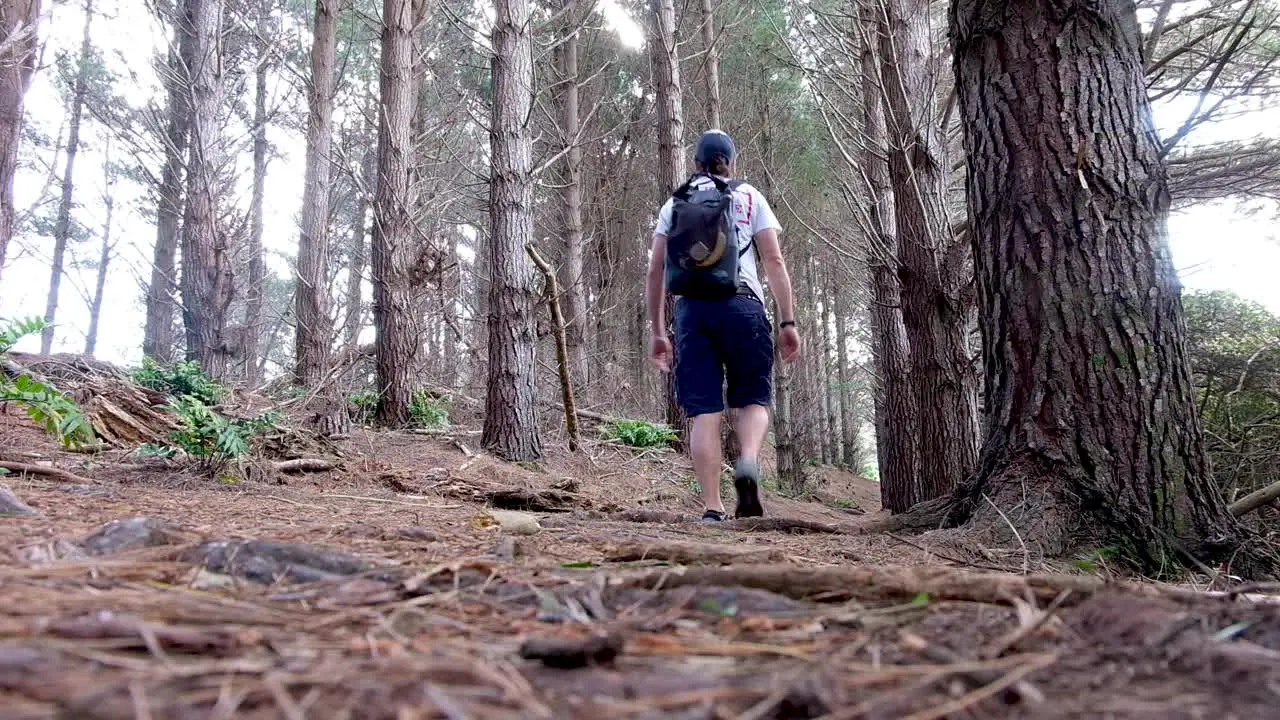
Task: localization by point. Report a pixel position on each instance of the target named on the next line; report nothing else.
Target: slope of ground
(392, 587)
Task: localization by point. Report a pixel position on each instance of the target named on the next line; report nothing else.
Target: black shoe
(746, 479)
(714, 516)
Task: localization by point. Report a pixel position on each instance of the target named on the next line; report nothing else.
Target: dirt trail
(387, 589)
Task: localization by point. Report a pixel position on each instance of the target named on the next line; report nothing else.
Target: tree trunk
(104, 257)
(829, 380)
(397, 345)
(251, 347)
(159, 340)
(62, 226)
(851, 454)
(311, 338)
(511, 414)
(896, 412)
(571, 270)
(1092, 432)
(359, 252)
(941, 376)
(18, 56)
(665, 59)
(712, 64)
(206, 257)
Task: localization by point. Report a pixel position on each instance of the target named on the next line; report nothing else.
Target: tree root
(689, 553)
(55, 473)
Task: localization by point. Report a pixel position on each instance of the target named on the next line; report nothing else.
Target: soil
(409, 582)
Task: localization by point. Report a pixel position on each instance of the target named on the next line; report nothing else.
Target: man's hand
(660, 351)
(789, 339)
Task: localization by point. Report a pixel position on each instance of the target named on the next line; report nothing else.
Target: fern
(179, 379)
(48, 407)
(640, 433)
(208, 436)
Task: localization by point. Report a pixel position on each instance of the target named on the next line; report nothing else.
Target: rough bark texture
(511, 414)
(206, 257)
(104, 259)
(1092, 431)
(251, 347)
(664, 57)
(359, 253)
(851, 455)
(571, 270)
(18, 46)
(159, 340)
(62, 226)
(311, 339)
(712, 60)
(397, 345)
(897, 431)
(941, 374)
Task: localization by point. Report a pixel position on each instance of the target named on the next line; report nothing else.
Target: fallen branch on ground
(305, 465)
(1255, 500)
(53, 472)
(902, 583)
(689, 553)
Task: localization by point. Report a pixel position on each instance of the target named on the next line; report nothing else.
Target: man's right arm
(775, 269)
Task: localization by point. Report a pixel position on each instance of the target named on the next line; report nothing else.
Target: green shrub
(47, 406)
(428, 412)
(640, 433)
(365, 403)
(209, 437)
(179, 379)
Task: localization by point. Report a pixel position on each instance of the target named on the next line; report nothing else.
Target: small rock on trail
(266, 561)
(11, 504)
(131, 534)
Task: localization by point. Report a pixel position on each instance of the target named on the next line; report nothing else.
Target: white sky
(1214, 246)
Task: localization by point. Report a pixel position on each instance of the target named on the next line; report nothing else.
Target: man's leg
(753, 424)
(705, 441)
(750, 373)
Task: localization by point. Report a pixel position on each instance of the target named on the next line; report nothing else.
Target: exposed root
(53, 472)
(689, 553)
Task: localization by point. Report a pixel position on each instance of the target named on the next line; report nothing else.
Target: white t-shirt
(751, 215)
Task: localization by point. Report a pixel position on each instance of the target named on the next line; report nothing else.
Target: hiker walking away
(709, 236)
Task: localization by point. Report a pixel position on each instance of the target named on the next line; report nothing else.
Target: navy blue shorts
(719, 340)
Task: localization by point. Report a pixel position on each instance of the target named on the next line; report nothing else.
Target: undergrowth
(640, 433)
(208, 437)
(179, 380)
(426, 411)
(48, 407)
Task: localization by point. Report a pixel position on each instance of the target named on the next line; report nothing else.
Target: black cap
(713, 143)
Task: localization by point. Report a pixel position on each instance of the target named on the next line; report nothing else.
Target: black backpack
(702, 247)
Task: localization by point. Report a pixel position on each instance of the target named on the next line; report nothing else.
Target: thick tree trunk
(311, 339)
(62, 226)
(665, 58)
(571, 270)
(1092, 430)
(159, 340)
(511, 414)
(206, 257)
(712, 60)
(251, 347)
(397, 345)
(941, 375)
(104, 259)
(897, 415)
(18, 49)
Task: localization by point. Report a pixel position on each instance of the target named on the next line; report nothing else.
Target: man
(722, 331)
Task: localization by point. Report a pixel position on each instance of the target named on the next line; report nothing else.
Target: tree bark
(359, 251)
(665, 58)
(896, 411)
(712, 60)
(571, 270)
(206, 257)
(104, 257)
(397, 345)
(251, 349)
(511, 413)
(18, 56)
(851, 455)
(311, 339)
(62, 226)
(159, 340)
(1092, 431)
(941, 375)
(552, 293)
(830, 379)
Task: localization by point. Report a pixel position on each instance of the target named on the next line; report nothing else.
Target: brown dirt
(395, 596)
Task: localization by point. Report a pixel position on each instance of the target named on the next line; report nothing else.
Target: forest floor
(395, 586)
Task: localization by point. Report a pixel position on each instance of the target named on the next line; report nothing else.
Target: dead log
(689, 553)
(896, 583)
(300, 465)
(1256, 499)
(53, 472)
(787, 525)
(552, 293)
